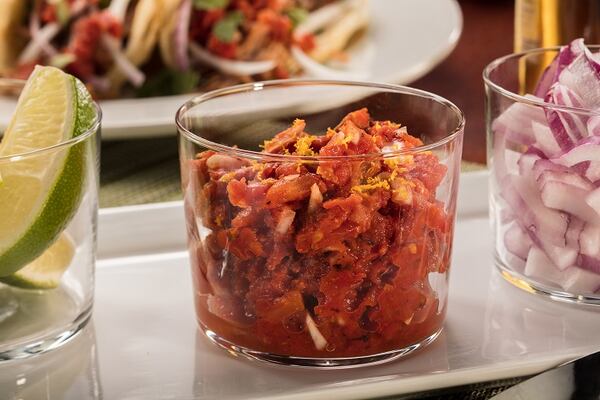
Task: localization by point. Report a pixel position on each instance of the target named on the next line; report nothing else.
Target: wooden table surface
(487, 34)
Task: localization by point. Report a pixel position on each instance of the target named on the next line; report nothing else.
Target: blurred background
(488, 32)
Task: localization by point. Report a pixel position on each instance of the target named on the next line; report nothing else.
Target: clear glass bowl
(539, 246)
(342, 277)
(33, 321)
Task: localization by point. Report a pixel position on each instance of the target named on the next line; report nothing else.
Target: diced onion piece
(523, 197)
(544, 139)
(546, 170)
(593, 200)
(517, 241)
(526, 162)
(316, 198)
(593, 125)
(133, 74)
(286, 218)
(578, 280)
(539, 266)
(318, 339)
(568, 198)
(221, 161)
(231, 67)
(586, 150)
(589, 241)
(515, 123)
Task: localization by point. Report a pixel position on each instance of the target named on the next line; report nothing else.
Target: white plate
(144, 344)
(406, 39)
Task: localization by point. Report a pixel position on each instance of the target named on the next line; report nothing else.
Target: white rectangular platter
(143, 342)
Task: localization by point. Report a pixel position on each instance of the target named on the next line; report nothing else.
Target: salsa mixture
(329, 257)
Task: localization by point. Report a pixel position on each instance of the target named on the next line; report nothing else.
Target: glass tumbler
(49, 299)
(546, 227)
(303, 257)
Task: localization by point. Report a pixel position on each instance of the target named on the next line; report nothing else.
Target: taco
(232, 41)
(103, 43)
(12, 13)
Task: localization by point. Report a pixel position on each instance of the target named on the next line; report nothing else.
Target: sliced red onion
(100, 83)
(581, 77)
(131, 72)
(118, 8)
(565, 57)
(315, 69)
(231, 67)
(180, 35)
(515, 123)
(324, 16)
(593, 125)
(40, 43)
(566, 124)
(517, 241)
(586, 150)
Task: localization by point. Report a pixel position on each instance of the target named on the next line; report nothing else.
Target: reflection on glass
(71, 373)
(220, 377)
(513, 317)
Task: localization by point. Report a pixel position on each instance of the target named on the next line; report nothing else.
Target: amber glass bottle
(547, 23)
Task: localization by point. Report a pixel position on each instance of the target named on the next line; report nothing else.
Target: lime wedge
(45, 271)
(41, 192)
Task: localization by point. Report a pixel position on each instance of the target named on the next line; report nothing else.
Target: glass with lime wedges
(48, 212)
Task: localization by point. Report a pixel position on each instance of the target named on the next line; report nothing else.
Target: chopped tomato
(86, 39)
(327, 258)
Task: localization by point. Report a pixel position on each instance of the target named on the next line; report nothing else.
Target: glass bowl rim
(19, 84)
(521, 98)
(259, 86)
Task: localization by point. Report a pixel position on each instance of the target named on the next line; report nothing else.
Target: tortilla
(336, 37)
(148, 18)
(167, 32)
(13, 12)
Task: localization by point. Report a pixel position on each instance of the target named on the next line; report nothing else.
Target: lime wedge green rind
(64, 197)
(46, 271)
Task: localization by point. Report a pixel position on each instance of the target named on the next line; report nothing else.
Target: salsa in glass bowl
(325, 247)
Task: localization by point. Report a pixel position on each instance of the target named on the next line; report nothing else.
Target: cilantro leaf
(169, 82)
(228, 26)
(298, 15)
(210, 4)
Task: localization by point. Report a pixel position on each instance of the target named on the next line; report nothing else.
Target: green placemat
(139, 172)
